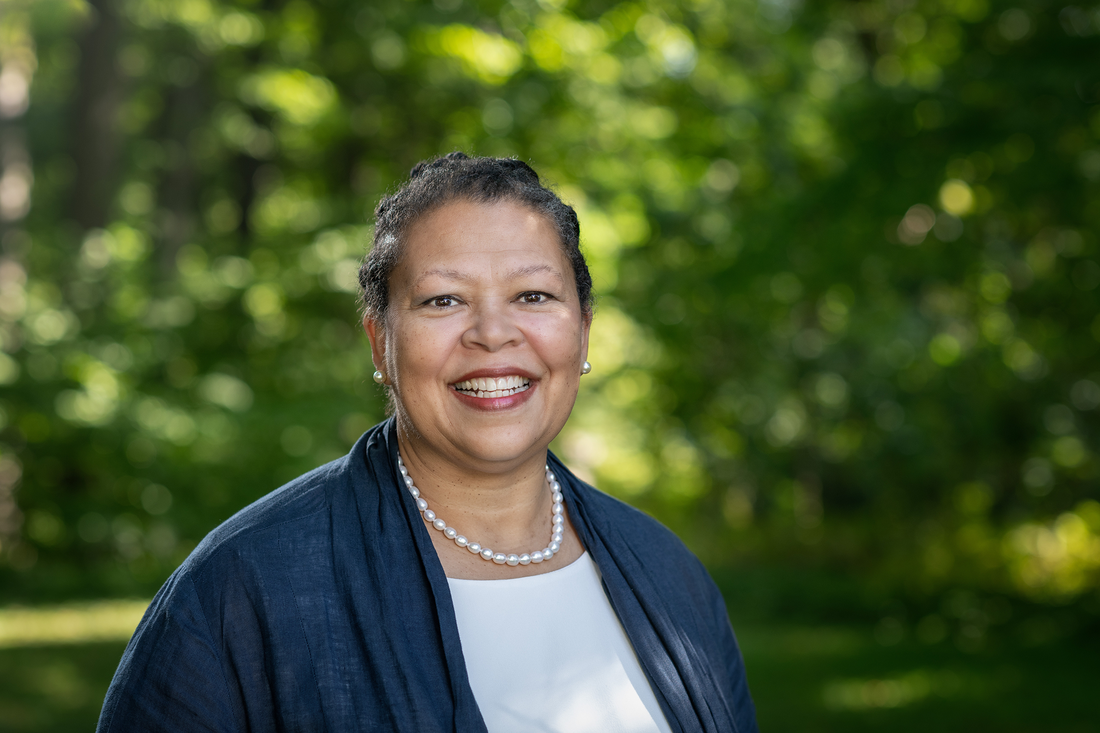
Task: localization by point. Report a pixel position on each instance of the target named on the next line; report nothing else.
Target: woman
(345, 602)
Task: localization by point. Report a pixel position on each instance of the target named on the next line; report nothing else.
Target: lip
(497, 403)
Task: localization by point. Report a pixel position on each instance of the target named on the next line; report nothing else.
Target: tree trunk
(99, 96)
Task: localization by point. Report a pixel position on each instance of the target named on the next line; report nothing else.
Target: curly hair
(452, 177)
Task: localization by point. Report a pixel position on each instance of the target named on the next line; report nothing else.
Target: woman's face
(485, 336)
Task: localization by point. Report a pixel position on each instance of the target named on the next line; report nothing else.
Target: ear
(376, 332)
(585, 328)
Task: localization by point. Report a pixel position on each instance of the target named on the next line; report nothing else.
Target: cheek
(422, 347)
(561, 337)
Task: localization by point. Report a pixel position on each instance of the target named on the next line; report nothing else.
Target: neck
(506, 503)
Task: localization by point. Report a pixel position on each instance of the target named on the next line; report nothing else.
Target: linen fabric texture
(323, 607)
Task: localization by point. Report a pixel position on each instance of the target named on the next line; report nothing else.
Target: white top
(547, 653)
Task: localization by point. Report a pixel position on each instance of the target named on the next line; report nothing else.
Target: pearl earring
(586, 368)
(379, 377)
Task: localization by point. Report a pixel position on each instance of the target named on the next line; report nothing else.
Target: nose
(492, 327)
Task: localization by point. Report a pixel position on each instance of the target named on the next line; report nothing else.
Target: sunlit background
(847, 341)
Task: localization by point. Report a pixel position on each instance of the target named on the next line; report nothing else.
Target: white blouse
(547, 653)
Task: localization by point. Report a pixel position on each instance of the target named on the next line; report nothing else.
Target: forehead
(467, 236)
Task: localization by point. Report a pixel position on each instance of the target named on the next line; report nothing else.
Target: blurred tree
(846, 253)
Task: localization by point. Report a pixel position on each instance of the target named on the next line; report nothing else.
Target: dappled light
(78, 623)
(847, 274)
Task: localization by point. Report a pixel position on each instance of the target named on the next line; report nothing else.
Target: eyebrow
(445, 274)
(463, 277)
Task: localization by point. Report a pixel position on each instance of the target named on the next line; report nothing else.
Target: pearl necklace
(557, 520)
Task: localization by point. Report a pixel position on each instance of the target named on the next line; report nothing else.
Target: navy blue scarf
(323, 607)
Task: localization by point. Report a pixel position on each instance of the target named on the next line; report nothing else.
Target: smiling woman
(483, 291)
(344, 601)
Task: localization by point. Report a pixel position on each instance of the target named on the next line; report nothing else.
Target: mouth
(488, 388)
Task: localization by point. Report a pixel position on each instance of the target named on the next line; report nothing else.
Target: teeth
(491, 387)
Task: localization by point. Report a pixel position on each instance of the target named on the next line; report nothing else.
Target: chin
(503, 444)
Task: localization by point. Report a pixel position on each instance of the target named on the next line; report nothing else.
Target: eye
(534, 297)
(443, 301)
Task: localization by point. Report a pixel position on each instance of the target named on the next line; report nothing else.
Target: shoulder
(625, 528)
(299, 503)
(299, 518)
(634, 524)
(296, 525)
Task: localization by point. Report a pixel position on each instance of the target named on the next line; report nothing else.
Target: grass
(803, 678)
(56, 664)
(55, 687)
(841, 679)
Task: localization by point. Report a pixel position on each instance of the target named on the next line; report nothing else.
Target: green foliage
(846, 255)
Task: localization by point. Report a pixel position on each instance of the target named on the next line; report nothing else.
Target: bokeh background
(847, 342)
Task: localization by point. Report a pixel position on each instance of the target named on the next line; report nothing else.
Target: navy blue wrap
(323, 607)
